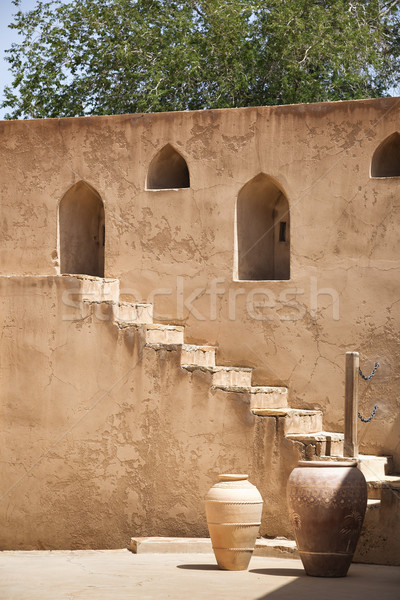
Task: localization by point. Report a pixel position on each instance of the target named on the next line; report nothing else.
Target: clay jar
(327, 503)
(233, 510)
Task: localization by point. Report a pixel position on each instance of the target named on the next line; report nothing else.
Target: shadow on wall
(81, 225)
(262, 231)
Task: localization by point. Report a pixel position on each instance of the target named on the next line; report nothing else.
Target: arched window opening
(82, 231)
(386, 158)
(168, 170)
(262, 231)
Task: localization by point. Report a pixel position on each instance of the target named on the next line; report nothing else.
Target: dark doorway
(82, 231)
(262, 231)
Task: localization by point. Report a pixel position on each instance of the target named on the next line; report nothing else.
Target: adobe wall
(176, 247)
(103, 439)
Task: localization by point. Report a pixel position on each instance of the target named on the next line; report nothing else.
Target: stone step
(380, 535)
(294, 420)
(275, 547)
(375, 470)
(134, 313)
(374, 467)
(383, 487)
(225, 378)
(103, 310)
(373, 504)
(163, 335)
(231, 377)
(95, 289)
(321, 444)
(261, 396)
(380, 487)
(201, 356)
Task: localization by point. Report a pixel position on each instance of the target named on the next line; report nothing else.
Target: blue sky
(7, 37)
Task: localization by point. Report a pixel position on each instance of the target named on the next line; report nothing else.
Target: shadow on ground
(280, 572)
(199, 567)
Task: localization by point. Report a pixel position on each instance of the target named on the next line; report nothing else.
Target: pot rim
(232, 476)
(327, 463)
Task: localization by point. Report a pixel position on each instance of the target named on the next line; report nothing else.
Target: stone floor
(117, 574)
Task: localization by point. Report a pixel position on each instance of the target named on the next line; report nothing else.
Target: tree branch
(388, 7)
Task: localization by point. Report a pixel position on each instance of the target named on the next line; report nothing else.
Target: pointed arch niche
(168, 170)
(262, 231)
(81, 227)
(386, 158)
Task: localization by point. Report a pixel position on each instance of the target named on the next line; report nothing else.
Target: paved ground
(119, 574)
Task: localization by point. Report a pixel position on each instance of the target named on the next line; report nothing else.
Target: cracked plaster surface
(167, 247)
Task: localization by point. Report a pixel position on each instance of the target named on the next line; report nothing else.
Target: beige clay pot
(233, 510)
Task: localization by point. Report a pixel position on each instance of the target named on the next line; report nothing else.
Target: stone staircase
(303, 428)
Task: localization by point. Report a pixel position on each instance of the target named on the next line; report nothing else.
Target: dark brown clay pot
(327, 503)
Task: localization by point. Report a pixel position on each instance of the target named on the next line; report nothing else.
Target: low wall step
(170, 545)
(274, 547)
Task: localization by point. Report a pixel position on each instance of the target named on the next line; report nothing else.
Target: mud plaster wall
(103, 439)
(169, 246)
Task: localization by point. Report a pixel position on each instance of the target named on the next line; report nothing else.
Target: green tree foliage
(119, 56)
